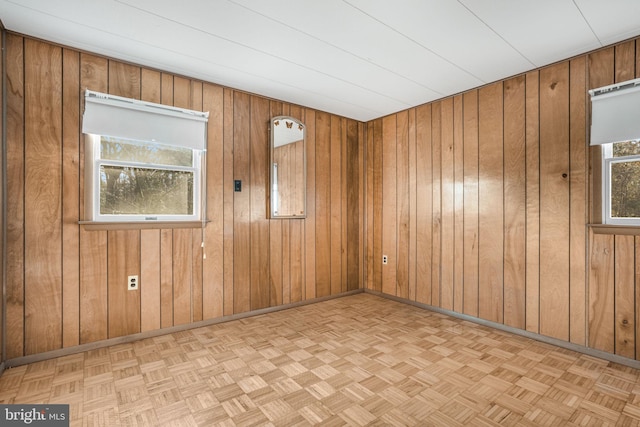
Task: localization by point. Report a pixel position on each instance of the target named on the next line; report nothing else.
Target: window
(143, 161)
(615, 127)
(621, 182)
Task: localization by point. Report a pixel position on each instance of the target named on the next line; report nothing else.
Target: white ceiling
(361, 59)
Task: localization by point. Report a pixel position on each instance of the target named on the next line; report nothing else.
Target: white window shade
(144, 121)
(615, 113)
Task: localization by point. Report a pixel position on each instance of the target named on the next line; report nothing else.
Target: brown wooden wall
(66, 285)
(481, 203)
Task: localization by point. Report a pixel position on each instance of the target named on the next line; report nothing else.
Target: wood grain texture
(335, 203)
(578, 181)
(258, 183)
(624, 276)
(554, 201)
(389, 205)
(601, 292)
(149, 280)
(14, 249)
(43, 199)
(413, 202)
(376, 220)
(166, 278)
(424, 205)
(71, 198)
(514, 203)
(402, 204)
(182, 279)
(458, 204)
(323, 204)
(470, 237)
(213, 254)
(93, 245)
(123, 252)
(242, 203)
(310, 222)
(532, 175)
(490, 203)
(447, 199)
(436, 206)
(353, 205)
(228, 203)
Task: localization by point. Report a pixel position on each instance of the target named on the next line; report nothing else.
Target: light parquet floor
(358, 360)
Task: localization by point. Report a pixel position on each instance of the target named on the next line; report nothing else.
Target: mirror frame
(273, 213)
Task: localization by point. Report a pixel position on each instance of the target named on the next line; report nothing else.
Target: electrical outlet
(132, 283)
(384, 259)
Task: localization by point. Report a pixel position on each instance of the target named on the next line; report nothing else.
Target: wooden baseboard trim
(542, 338)
(24, 360)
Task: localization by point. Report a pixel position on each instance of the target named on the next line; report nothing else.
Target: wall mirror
(288, 168)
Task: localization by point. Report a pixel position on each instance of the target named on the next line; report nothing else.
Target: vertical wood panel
(532, 175)
(335, 205)
(447, 186)
(43, 198)
(377, 205)
(259, 158)
(490, 202)
(353, 208)
(578, 201)
(93, 244)
(601, 320)
(624, 277)
(402, 207)
(14, 310)
(436, 165)
(413, 192)
(601, 292)
(275, 238)
(470, 203)
(213, 254)
(150, 88)
(149, 280)
(228, 202)
(424, 194)
(323, 204)
(554, 201)
(182, 250)
(242, 203)
(166, 278)
(71, 199)
(197, 235)
(343, 204)
(389, 204)
(123, 252)
(514, 202)
(458, 204)
(297, 231)
(310, 222)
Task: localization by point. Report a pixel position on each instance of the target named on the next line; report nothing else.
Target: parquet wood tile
(355, 361)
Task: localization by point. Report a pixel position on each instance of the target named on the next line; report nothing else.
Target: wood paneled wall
(66, 285)
(481, 203)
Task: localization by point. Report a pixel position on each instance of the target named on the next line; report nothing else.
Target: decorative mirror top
(288, 168)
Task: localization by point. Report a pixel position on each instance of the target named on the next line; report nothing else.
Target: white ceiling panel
(357, 58)
(543, 31)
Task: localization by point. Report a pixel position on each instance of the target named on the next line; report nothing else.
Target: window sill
(629, 230)
(138, 225)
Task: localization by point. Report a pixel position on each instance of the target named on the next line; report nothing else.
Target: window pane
(625, 189)
(140, 191)
(144, 152)
(627, 148)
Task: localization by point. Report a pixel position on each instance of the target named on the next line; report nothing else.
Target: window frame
(607, 161)
(94, 161)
